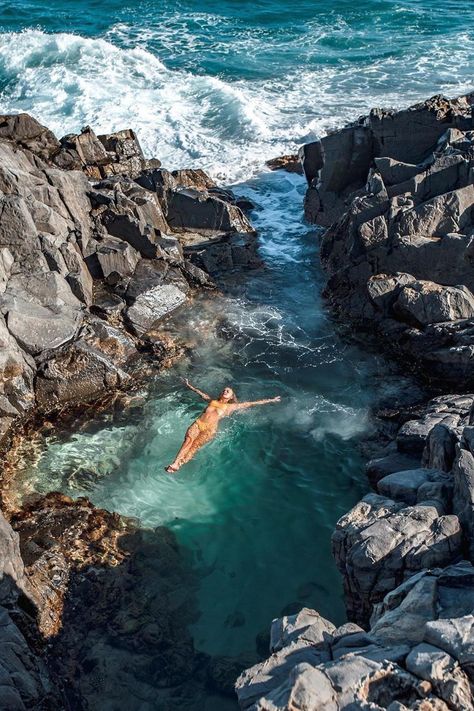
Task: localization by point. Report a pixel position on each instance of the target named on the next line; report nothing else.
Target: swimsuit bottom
(205, 426)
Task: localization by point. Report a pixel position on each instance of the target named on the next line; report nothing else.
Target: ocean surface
(225, 86)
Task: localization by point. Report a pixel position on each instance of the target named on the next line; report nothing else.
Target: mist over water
(255, 509)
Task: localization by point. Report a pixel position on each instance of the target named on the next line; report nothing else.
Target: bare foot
(171, 469)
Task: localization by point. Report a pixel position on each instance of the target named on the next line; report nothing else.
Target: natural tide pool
(254, 511)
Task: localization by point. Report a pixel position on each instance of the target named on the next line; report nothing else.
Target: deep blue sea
(225, 86)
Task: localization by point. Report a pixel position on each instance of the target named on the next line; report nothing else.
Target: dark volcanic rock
(189, 209)
(397, 195)
(25, 678)
(26, 132)
(67, 247)
(290, 163)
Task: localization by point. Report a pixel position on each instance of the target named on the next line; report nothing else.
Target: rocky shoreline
(395, 192)
(98, 246)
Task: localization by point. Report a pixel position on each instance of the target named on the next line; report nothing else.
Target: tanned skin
(205, 427)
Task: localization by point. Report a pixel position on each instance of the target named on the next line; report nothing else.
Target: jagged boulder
(153, 292)
(414, 486)
(380, 543)
(417, 653)
(189, 209)
(102, 359)
(405, 137)
(399, 208)
(420, 303)
(26, 132)
(103, 156)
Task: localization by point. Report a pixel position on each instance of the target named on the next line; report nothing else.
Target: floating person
(205, 427)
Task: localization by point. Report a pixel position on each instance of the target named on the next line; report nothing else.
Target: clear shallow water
(256, 508)
(225, 85)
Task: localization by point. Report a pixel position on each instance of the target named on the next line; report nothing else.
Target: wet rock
(57, 535)
(216, 255)
(101, 360)
(194, 210)
(289, 163)
(153, 292)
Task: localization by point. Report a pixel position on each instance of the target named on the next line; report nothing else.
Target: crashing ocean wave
(226, 124)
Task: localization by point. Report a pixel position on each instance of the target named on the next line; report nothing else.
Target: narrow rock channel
(252, 521)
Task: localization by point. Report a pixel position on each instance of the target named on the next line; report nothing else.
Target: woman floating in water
(205, 427)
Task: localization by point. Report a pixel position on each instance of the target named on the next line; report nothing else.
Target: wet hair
(233, 399)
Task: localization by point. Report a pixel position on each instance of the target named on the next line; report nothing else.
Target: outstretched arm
(204, 396)
(253, 403)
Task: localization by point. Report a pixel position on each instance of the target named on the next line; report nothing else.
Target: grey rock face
(415, 486)
(26, 132)
(103, 156)
(24, 678)
(397, 194)
(416, 654)
(402, 138)
(68, 247)
(463, 501)
(380, 542)
(193, 210)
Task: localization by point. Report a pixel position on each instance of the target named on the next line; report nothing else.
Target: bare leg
(194, 440)
(202, 439)
(191, 436)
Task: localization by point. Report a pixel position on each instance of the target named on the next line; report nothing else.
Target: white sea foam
(186, 119)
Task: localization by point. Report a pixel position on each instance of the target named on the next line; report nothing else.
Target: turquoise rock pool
(254, 511)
